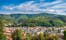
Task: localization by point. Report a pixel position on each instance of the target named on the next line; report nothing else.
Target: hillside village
(32, 30)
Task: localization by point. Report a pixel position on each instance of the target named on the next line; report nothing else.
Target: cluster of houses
(32, 30)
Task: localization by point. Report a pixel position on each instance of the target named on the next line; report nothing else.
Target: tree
(28, 36)
(35, 36)
(65, 35)
(2, 35)
(17, 35)
(41, 36)
(46, 35)
(53, 37)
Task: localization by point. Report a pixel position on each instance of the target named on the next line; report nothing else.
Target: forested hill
(32, 15)
(33, 20)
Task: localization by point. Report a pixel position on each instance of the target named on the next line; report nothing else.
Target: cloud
(8, 7)
(28, 6)
(59, 9)
(56, 7)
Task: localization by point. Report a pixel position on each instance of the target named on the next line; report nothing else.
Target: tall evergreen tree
(28, 36)
(17, 35)
(65, 35)
(41, 36)
(2, 35)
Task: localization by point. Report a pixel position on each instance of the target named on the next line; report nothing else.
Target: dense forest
(33, 20)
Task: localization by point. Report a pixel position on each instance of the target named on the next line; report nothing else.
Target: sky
(33, 6)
